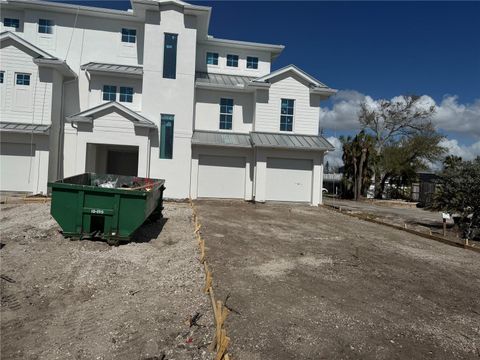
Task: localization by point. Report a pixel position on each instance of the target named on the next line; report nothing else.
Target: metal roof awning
(287, 141)
(211, 80)
(215, 138)
(25, 128)
(128, 70)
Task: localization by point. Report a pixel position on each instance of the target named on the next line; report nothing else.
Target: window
(226, 114)
(13, 23)
(126, 94)
(45, 26)
(286, 115)
(212, 58)
(109, 92)
(166, 137)
(232, 60)
(170, 56)
(252, 62)
(1, 76)
(129, 35)
(22, 79)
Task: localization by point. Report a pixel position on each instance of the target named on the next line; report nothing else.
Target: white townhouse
(147, 92)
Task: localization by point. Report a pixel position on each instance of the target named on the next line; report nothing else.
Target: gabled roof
(314, 83)
(87, 116)
(113, 68)
(6, 35)
(16, 127)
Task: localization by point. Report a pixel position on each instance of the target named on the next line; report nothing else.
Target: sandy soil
(63, 299)
(310, 283)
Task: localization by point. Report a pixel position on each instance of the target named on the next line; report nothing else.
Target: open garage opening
(112, 159)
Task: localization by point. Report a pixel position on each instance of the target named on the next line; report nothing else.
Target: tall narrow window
(22, 79)
(170, 56)
(212, 58)
(252, 62)
(226, 114)
(166, 137)
(13, 23)
(232, 60)
(1, 76)
(129, 35)
(109, 93)
(286, 115)
(45, 26)
(126, 94)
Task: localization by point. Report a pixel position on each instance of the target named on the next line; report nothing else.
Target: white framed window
(109, 92)
(11, 23)
(252, 62)
(212, 58)
(286, 114)
(45, 26)
(22, 79)
(232, 60)
(126, 94)
(129, 36)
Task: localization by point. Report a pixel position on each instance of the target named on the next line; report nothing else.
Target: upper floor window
(226, 114)
(109, 92)
(252, 62)
(286, 115)
(13, 23)
(129, 35)
(232, 60)
(166, 136)
(45, 26)
(212, 58)
(2, 73)
(170, 56)
(22, 79)
(126, 94)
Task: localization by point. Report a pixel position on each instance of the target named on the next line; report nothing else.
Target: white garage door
(16, 160)
(221, 176)
(289, 179)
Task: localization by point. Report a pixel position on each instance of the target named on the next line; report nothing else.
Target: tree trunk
(355, 177)
(382, 184)
(358, 185)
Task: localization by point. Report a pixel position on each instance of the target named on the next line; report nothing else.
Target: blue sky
(376, 49)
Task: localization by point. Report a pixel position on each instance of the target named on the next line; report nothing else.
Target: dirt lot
(309, 283)
(63, 299)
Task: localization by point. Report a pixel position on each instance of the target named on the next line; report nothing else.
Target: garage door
(16, 163)
(289, 179)
(221, 177)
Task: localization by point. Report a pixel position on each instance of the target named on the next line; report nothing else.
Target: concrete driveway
(309, 283)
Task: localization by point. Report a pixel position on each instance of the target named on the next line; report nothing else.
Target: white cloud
(465, 152)
(450, 115)
(334, 158)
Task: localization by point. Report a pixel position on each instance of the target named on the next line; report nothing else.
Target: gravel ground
(63, 299)
(310, 283)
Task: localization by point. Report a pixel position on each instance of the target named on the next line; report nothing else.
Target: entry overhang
(290, 141)
(15, 127)
(215, 138)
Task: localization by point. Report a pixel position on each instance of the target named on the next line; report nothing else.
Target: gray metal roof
(287, 141)
(215, 138)
(113, 68)
(24, 128)
(222, 80)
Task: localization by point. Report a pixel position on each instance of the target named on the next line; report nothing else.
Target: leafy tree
(358, 158)
(397, 126)
(459, 193)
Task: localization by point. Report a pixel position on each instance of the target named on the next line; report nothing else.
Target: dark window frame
(226, 114)
(107, 93)
(213, 59)
(24, 79)
(252, 62)
(167, 132)
(287, 114)
(170, 56)
(126, 94)
(2, 77)
(232, 60)
(11, 22)
(45, 26)
(129, 36)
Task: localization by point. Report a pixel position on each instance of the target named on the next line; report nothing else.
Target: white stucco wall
(306, 111)
(264, 60)
(207, 110)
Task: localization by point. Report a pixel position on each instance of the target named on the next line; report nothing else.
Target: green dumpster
(105, 206)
